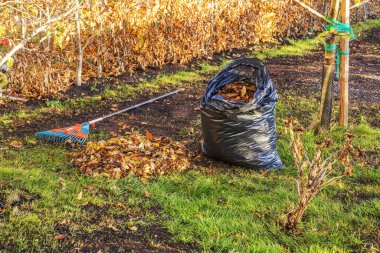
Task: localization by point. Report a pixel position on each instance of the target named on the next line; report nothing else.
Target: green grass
(361, 27)
(237, 210)
(234, 210)
(41, 177)
(306, 46)
(242, 212)
(295, 48)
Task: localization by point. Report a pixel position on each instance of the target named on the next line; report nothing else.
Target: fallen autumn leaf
(16, 144)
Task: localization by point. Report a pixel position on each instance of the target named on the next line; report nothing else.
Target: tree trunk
(47, 53)
(365, 9)
(79, 47)
(100, 66)
(48, 64)
(327, 85)
(122, 64)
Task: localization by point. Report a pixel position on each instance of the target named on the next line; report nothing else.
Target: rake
(78, 134)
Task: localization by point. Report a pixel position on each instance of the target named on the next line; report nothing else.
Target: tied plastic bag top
(242, 133)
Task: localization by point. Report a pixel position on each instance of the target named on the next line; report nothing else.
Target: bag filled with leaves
(237, 114)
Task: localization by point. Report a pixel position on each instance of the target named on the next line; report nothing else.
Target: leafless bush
(318, 172)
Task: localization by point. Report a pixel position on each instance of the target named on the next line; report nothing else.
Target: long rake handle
(134, 107)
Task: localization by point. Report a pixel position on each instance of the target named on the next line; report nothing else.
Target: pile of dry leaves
(238, 92)
(134, 154)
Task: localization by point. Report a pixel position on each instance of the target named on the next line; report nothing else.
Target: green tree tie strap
(334, 48)
(340, 27)
(337, 60)
(330, 47)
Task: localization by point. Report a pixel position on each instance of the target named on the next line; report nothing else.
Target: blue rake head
(77, 134)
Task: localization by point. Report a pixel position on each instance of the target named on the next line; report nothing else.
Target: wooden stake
(344, 68)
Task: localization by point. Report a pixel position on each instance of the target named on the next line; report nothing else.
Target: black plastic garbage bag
(237, 132)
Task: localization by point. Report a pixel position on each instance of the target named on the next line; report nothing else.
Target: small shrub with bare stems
(318, 172)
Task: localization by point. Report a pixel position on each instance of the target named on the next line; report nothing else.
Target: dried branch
(35, 32)
(7, 97)
(359, 4)
(7, 3)
(19, 10)
(311, 10)
(12, 98)
(313, 176)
